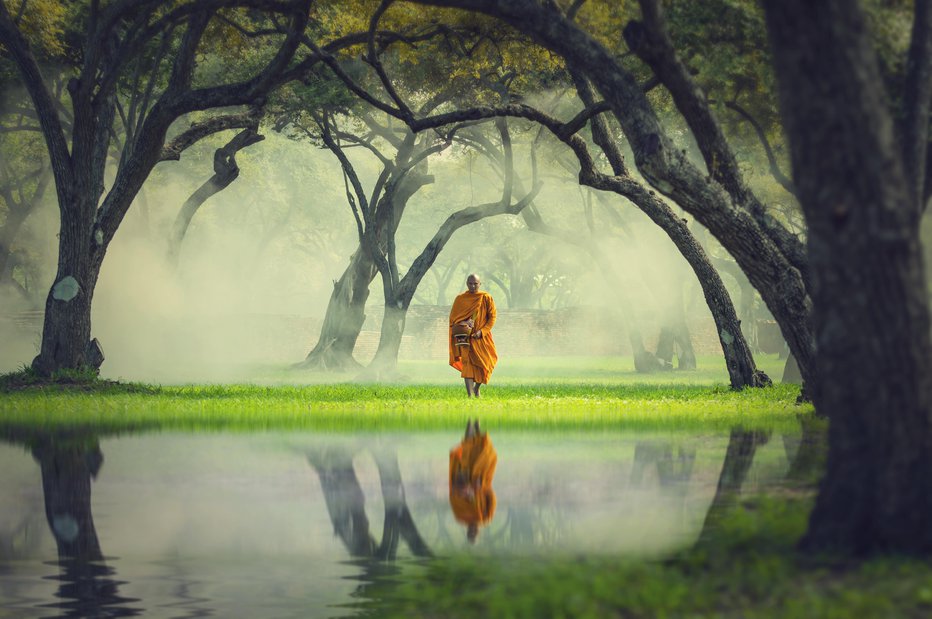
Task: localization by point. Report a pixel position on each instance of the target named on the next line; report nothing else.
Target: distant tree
(24, 178)
(377, 214)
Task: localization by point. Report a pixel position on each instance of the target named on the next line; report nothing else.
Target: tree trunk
(67, 469)
(806, 454)
(791, 371)
(871, 312)
(675, 337)
(398, 522)
(385, 363)
(345, 316)
(66, 329)
(666, 347)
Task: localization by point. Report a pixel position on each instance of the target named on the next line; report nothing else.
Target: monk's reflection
(472, 466)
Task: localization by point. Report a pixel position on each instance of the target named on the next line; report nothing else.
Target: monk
(472, 349)
(472, 466)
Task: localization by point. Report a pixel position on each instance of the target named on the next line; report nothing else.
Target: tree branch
(650, 41)
(775, 171)
(376, 63)
(200, 130)
(42, 100)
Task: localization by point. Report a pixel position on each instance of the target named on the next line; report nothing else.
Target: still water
(296, 524)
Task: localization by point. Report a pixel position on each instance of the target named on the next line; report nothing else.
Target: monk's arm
(491, 315)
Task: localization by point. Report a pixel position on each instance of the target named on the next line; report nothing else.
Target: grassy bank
(561, 394)
(362, 407)
(746, 568)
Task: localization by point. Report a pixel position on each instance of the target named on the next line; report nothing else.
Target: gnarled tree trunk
(345, 316)
(226, 171)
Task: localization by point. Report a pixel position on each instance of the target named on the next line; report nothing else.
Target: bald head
(473, 283)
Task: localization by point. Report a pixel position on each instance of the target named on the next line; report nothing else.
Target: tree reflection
(742, 445)
(806, 452)
(69, 461)
(674, 471)
(346, 504)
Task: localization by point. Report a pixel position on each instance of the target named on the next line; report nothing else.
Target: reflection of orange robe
(481, 357)
(472, 466)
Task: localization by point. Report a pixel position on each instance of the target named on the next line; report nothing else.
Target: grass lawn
(557, 393)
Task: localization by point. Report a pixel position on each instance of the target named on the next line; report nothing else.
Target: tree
(398, 290)
(24, 178)
(754, 223)
(719, 198)
(862, 175)
(377, 214)
(137, 69)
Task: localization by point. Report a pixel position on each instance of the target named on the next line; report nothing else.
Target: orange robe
(472, 466)
(479, 359)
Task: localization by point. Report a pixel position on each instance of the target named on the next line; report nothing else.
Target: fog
(257, 266)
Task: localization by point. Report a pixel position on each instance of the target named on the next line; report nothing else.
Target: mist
(258, 263)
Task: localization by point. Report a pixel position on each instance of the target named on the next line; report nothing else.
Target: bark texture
(871, 307)
(346, 313)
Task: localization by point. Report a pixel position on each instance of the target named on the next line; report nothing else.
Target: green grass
(371, 407)
(747, 568)
(551, 394)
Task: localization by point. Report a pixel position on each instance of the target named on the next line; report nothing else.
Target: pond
(296, 524)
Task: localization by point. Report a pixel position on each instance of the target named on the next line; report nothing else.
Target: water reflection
(742, 445)
(68, 464)
(346, 504)
(472, 467)
(227, 524)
